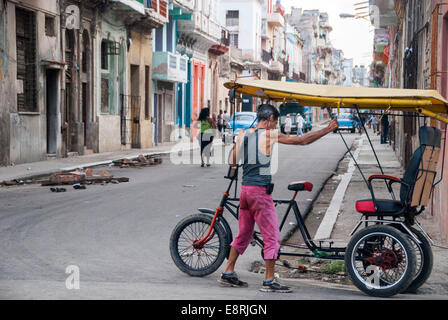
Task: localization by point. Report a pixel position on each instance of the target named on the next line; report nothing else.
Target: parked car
(239, 121)
(308, 125)
(346, 121)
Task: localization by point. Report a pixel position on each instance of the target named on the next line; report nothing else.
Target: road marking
(331, 215)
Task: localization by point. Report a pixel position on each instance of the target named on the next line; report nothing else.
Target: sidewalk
(347, 217)
(32, 170)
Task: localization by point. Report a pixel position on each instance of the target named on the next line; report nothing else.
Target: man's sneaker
(274, 286)
(231, 281)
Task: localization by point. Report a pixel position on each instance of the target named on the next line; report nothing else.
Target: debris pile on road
(81, 177)
(139, 162)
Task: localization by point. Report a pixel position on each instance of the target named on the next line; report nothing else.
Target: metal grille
(26, 60)
(130, 120)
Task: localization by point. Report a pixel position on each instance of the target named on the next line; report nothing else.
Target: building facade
(411, 41)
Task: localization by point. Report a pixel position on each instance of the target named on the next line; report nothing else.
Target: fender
(224, 223)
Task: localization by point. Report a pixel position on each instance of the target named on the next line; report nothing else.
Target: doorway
(135, 106)
(52, 110)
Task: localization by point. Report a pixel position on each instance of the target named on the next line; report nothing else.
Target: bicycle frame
(231, 204)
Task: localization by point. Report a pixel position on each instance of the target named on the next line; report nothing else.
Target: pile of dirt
(308, 268)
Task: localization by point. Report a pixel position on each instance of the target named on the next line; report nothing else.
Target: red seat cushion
(365, 206)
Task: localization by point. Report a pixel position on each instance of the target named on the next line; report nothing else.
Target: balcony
(157, 10)
(186, 4)
(275, 19)
(170, 67)
(205, 31)
(129, 6)
(220, 49)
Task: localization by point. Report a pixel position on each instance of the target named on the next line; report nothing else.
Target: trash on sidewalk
(80, 177)
(140, 161)
(14, 182)
(79, 186)
(58, 189)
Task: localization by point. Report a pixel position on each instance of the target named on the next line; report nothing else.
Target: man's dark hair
(204, 114)
(265, 111)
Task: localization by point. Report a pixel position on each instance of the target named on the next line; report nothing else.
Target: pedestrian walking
(299, 122)
(220, 121)
(374, 123)
(288, 125)
(384, 129)
(226, 119)
(207, 126)
(253, 149)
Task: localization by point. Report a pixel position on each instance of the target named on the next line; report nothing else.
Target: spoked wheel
(196, 260)
(380, 261)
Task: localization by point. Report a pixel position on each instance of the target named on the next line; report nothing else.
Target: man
(299, 121)
(254, 147)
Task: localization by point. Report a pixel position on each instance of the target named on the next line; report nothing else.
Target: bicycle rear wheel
(380, 261)
(203, 260)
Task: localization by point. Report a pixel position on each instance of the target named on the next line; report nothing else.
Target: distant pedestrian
(375, 123)
(384, 129)
(226, 119)
(207, 126)
(288, 125)
(220, 122)
(300, 122)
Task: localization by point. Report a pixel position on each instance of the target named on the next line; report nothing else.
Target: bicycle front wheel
(203, 260)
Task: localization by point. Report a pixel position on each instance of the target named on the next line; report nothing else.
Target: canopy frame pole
(350, 153)
(374, 151)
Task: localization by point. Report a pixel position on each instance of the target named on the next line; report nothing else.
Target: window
(234, 40)
(104, 55)
(50, 29)
(232, 18)
(26, 61)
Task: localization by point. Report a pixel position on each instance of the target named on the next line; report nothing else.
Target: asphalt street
(118, 234)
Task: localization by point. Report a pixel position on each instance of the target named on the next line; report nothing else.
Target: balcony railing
(275, 19)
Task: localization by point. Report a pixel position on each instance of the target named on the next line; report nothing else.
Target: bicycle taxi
(388, 252)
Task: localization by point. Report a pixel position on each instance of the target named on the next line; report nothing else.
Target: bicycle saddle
(300, 186)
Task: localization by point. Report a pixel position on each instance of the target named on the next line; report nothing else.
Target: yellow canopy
(427, 102)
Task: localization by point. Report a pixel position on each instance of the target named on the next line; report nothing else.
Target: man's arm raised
(309, 138)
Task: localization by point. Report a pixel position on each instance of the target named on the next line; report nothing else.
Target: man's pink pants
(256, 206)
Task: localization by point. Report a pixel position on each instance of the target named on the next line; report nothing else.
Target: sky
(353, 36)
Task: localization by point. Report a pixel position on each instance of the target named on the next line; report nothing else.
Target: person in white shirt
(300, 122)
(288, 125)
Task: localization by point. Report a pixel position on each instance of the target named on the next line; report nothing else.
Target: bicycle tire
(379, 231)
(209, 265)
(427, 261)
